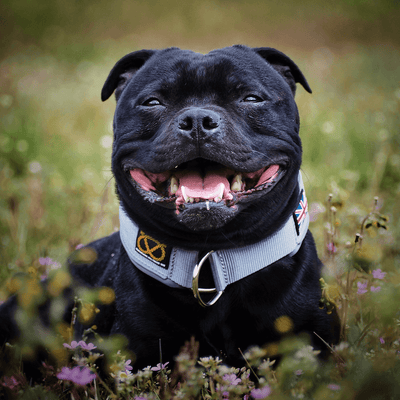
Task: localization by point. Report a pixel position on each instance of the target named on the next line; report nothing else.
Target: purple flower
(45, 261)
(331, 248)
(382, 340)
(139, 398)
(375, 289)
(378, 274)
(333, 386)
(128, 367)
(159, 366)
(10, 382)
(261, 393)
(78, 375)
(88, 347)
(298, 372)
(74, 344)
(232, 379)
(362, 287)
(79, 246)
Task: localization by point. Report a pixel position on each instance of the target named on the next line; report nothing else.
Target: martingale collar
(180, 268)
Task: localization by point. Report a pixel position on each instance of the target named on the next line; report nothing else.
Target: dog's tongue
(213, 186)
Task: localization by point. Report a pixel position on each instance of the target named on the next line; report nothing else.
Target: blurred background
(56, 188)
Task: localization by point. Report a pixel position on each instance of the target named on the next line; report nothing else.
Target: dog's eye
(151, 102)
(253, 98)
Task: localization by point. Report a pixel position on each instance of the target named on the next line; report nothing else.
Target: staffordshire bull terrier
(213, 239)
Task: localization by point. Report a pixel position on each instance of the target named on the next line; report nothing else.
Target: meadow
(57, 193)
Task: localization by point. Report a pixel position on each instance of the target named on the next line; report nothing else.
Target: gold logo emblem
(151, 247)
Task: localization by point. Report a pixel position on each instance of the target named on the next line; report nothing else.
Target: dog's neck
(180, 268)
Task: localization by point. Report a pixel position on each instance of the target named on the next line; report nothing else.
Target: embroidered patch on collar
(152, 249)
(302, 209)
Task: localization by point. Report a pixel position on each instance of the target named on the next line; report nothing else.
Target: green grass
(57, 190)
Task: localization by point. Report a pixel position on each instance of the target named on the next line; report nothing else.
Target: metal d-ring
(195, 284)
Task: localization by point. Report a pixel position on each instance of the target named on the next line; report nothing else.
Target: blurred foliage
(57, 189)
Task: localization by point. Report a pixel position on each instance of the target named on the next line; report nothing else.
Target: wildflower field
(57, 193)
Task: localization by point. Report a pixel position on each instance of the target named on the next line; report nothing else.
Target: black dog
(206, 159)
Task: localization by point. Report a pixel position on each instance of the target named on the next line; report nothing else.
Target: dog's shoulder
(103, 265)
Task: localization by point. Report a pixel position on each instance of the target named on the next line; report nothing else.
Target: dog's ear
(123, 71)
(285, 66)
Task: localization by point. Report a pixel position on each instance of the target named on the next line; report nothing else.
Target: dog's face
(206, 147)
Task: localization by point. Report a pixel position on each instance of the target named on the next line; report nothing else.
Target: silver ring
(195, 284)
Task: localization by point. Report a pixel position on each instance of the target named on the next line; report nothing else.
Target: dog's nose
(199, 120)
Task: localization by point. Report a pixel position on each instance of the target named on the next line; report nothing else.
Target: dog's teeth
(184, 195)
(191, 199)
(208, 205)
(221, 190)
(220, 195)
(236, 184)
(174, 185)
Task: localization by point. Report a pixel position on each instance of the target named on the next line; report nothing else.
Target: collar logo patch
(152, 249)
(302, 209)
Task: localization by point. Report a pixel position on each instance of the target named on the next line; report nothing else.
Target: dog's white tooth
(184, 195)
(191, 199)
(220, 194)
(221, 190)
(208, 205)
(236, 184)
(174, 185)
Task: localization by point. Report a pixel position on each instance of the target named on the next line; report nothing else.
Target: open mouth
(202, 181)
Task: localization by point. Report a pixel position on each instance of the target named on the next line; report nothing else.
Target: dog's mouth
(206, 183)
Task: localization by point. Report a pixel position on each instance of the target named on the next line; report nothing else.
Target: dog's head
(206, 147)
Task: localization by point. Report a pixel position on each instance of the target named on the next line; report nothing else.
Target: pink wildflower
(298, 372)
(382, 340)
(78, 375)
(88, 347)
(362, 287)
(45, 261)
(159, 366)
(261, 393)
(232, 379)
(10, 382)
(331, 248)
(378, 274)
(74, 344)
(79, 246)
(333, 386)
(128, 367)
(375, 289)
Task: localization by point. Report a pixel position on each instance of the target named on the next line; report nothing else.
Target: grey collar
(180, 268)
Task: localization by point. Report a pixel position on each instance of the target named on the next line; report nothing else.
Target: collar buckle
(195, 285)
